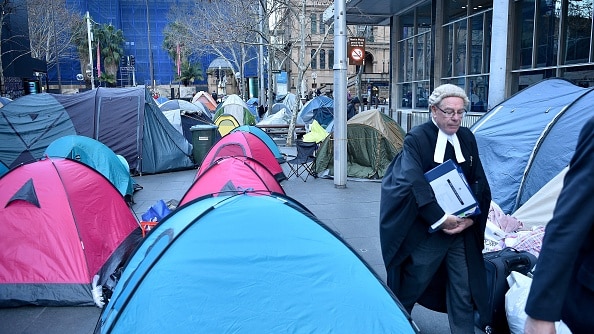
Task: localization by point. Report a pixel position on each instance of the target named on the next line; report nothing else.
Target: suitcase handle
(507, 249)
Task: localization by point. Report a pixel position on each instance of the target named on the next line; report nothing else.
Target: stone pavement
(351, 211)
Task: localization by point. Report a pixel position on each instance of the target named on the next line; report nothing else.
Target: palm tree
(190, 72)
(111, 41)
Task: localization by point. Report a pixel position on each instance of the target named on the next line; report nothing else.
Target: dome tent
(62, 223)
(528, 139)
(276, 268)
(373, 140)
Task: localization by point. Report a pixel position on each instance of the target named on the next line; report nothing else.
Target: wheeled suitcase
(498, 265)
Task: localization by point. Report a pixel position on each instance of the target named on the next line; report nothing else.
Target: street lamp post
(220, 83)
(90, 38)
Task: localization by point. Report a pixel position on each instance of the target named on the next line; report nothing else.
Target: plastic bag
(156, 212)
(515, 303)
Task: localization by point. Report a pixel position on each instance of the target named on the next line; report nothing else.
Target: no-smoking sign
(356, 50)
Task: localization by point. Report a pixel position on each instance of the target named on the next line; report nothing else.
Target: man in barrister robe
(444, 269)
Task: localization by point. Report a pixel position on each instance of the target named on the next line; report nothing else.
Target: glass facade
(555, 40)
(467, 41)
(414, 48)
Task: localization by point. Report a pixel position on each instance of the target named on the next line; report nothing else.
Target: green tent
(373, 140)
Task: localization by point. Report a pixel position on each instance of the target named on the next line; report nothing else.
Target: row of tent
(247, 258)
(242, 254)
(227, 255)
(530, 128)
(127, 120)
(151, 138)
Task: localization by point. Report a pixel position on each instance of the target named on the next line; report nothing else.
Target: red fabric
(241, 143)
(98, 61)
(242, 173)
(82, 219)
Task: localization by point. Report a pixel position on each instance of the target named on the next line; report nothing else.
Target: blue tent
(529, 138)
(253, 104)
(320, 108)
(97, 156)
(3, 168)
(248, 264)
(265, 138)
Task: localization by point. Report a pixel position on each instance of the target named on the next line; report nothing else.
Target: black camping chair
(303, 165)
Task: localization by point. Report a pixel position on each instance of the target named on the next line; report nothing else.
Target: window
(467, 51)
(313, 60)
(314, 23)
(331, 59)
(322, 59)
(414, 47)
(577, 33)
(555, 41)
(322, 25)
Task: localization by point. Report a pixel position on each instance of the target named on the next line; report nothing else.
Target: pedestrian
(443, 270)
(563, 283)
(353, 107)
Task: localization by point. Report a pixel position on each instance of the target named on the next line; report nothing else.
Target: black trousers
(420, 268)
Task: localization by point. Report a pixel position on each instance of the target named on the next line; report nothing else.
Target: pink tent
(241, 144)
(233, 175)
(62, 223)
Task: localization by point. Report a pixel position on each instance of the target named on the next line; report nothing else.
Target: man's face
(448, 124)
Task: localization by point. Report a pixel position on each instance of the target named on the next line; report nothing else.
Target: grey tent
(127, 120)
(529, 138)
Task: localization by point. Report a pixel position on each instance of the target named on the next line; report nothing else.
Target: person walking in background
(563, 283)
(450, 260)
(353, 107)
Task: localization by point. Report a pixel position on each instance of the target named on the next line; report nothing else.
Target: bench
(281, 129)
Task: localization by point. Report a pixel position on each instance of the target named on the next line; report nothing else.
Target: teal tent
(97, 156)
(249, 263)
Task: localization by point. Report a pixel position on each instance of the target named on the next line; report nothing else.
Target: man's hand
(534, 326)
(454, 225)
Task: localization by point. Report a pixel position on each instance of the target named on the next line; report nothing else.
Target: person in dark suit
(563, 284)
(353, 107)
(443, 270)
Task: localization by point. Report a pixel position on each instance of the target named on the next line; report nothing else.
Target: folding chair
(304, 162)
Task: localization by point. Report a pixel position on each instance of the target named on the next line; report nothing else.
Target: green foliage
(189, 73)
(111, 42)
(108, 78)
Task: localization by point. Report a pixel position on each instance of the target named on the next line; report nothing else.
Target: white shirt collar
(440, 146)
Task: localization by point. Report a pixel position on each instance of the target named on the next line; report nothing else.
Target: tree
(81, 42)
(231, 29)
(290, 16)
(110, 42)
(227, 28)
(51, 27)
(174, 44)
(189, 73)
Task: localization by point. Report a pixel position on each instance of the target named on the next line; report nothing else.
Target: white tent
(538, 210)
